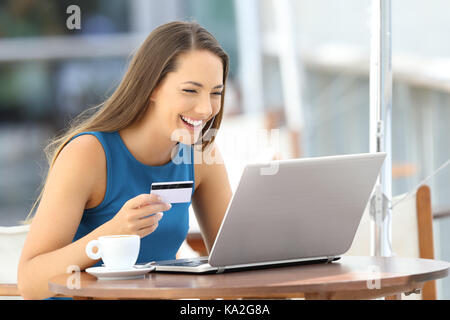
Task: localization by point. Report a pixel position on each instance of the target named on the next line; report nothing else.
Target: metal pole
(291, 72)
(380, 125)
(290, 64)
(250, 58)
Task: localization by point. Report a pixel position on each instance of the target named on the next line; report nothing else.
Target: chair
(190, 249)
(12, 240)
(412, 234)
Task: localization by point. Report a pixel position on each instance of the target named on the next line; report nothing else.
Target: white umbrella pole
(380, 125)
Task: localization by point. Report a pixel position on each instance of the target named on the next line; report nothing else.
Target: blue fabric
(127, 178)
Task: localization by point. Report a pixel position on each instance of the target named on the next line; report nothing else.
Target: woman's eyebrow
(201, 86)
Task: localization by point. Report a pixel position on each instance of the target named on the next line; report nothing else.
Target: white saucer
(103, 273)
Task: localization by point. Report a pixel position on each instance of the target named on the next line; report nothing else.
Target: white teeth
(194, 123)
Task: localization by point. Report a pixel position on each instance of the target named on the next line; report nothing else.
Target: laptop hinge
(220, 269)
(330, 259)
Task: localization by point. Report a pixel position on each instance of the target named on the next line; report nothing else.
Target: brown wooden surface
(344, 279)
(425, 226)
(9, 290)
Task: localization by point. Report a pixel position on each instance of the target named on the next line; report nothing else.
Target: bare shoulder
(86, 146)
(83, 160)
(207, 163)
(86, 150)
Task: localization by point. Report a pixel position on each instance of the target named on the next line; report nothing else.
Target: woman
(101, 171)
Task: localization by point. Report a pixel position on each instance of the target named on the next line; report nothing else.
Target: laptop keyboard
(194, 262)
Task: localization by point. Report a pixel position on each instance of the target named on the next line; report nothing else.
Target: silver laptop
(290, 212)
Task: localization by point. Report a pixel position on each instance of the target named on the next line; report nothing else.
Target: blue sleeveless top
(128, 178)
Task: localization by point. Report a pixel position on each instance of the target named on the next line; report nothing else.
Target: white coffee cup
(117, 252)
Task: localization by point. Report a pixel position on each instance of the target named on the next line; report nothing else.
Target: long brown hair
(153, 60)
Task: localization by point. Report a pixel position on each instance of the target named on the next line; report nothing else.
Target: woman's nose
(204, 108)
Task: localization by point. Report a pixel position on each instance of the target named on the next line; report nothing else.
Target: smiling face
(189, 96)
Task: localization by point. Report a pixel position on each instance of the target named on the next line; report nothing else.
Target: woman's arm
(211, 198)
(48, 249)
(76, 181)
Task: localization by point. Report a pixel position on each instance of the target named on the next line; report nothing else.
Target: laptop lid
(309, 207)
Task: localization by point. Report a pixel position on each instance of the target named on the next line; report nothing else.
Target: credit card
(173, 192)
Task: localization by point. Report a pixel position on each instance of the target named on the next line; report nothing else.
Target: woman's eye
(195, 91)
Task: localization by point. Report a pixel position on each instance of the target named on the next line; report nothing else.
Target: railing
(441, 213)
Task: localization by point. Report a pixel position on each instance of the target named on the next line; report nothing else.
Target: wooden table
(348, 278)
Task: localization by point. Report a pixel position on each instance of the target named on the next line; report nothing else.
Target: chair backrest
(12, 240)
(412, 234)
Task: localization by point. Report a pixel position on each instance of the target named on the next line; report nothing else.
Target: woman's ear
(155, 92)
(153, 95)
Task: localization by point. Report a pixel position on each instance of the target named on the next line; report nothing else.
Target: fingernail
(160, 215)
(169, 205)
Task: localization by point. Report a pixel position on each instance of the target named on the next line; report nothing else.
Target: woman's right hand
(139, 215)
